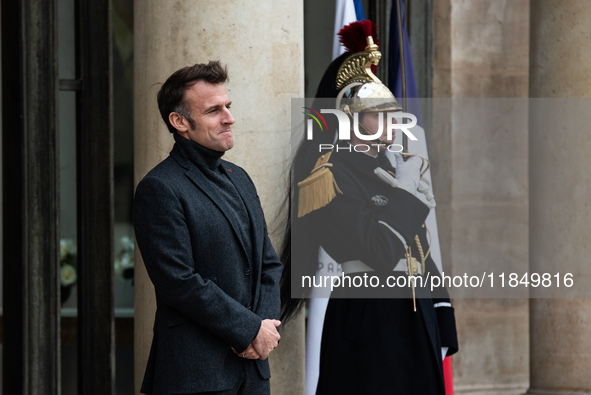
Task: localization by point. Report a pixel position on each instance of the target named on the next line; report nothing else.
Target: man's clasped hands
(267, 339)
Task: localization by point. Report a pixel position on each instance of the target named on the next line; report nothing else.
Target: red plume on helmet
(353, 36)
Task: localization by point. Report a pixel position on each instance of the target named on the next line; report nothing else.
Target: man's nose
(228, 118)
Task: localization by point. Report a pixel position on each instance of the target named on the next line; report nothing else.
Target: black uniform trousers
(377, 347)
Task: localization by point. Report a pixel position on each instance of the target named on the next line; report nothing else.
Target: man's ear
(179, 122)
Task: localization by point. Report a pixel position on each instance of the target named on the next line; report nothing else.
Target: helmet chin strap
(362, 128)
(366, 132)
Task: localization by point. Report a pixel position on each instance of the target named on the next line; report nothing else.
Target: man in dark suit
(201, 231)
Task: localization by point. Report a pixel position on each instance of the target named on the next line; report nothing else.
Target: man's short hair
(172, 93)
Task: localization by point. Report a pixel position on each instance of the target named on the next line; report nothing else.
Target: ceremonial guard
(365, 203)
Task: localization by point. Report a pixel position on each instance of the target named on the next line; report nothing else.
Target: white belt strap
(396, 233)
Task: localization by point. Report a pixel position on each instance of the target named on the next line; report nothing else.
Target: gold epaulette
(318, 189)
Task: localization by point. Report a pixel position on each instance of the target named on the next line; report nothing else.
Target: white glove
(425, 189)
(386, 177)
(408, 177)
(408, 173)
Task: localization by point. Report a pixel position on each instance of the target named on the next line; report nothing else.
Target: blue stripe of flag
(394, 72)
(359, 10)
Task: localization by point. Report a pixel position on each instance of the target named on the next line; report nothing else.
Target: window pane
(68, 239)
(67, 151)
(66, 40)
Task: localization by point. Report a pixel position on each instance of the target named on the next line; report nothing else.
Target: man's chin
(227, 145)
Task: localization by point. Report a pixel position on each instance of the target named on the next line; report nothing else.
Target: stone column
(560, 344)
(262, 44)
(480, 180)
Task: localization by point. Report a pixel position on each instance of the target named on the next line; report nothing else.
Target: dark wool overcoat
(212, 286)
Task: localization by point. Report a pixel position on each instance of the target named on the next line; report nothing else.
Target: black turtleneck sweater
(210, 164)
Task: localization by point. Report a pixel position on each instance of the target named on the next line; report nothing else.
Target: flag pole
(402, 67)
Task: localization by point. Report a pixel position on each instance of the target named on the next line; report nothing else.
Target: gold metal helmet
(357, 83)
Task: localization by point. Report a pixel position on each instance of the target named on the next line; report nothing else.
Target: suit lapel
(248, 194)
(209, 189)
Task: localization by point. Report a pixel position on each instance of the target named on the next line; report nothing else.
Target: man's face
(371, 121)
(210, 107)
